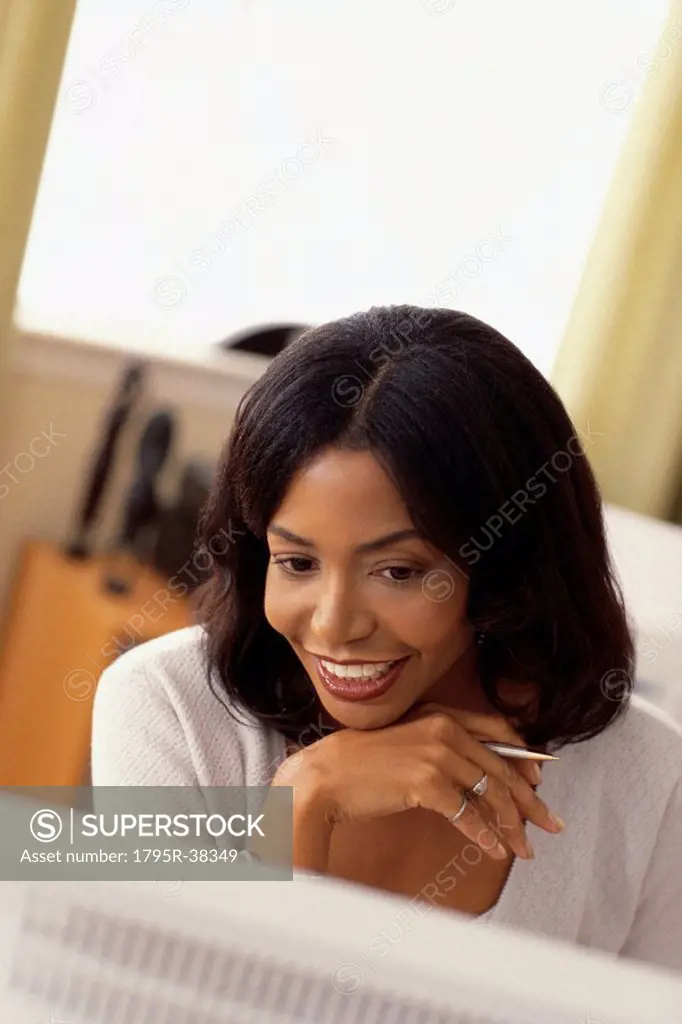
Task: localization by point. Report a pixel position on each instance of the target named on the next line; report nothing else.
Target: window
(219, 163)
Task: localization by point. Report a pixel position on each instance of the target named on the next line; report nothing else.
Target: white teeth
(367, 671)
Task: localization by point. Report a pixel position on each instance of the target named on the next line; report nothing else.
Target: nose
(339, 616)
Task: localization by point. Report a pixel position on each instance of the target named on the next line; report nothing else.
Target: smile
(359, 680)
(364, 670)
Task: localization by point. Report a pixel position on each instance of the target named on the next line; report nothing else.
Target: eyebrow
(370, 545)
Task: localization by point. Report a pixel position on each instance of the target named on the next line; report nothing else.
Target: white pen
(519, 753)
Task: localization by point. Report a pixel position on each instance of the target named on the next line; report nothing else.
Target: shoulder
(171, 669)
(161, 718)
(166, 660)
(646, 737)
(635, 763)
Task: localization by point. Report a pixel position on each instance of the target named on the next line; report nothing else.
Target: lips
(359, 688)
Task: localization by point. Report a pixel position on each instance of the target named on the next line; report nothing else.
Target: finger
(529, 771)
(466, 750)
(534, 809)
(507, 823)
(531, 806)
(448, 802)
(497, 801)
(488, 727)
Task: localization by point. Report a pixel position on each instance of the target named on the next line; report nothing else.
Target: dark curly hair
(492, 472)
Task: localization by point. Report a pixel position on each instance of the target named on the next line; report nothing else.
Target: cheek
(277, 605)
(282, 604)
(438, 628)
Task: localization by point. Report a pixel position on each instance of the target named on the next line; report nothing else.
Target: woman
(417, 564)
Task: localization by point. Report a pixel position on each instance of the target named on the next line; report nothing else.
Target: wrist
(313, 797)
(312, 835)
(312, 823)
(313, 808)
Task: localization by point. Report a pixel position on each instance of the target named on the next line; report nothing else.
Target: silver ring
(460, 812)
(481, 786)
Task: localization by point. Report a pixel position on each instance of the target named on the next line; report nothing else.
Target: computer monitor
(311, 951)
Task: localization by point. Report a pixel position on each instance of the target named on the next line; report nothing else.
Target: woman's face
(374, 612)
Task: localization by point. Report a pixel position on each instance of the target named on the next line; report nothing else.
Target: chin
(362, 715)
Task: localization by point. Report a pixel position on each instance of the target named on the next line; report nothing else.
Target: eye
(405, 574)
(294, 565)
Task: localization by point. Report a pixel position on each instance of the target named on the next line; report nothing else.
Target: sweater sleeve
(656, 933)
(137, 738)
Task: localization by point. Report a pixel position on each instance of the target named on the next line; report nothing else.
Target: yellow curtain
(33, 40)
(620, 363)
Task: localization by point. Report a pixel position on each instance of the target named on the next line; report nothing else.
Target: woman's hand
(429, 759)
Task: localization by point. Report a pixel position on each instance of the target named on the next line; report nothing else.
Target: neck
(460, 688)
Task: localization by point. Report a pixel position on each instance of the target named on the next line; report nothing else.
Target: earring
(480, 636)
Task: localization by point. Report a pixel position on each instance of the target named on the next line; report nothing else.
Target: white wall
(447, 128)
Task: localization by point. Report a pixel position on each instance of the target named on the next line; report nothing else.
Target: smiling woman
(435, 442)
(352, 647)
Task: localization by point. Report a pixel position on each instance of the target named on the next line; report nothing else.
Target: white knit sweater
(612, 880)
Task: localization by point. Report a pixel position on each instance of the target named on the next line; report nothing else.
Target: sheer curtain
(620, 365)
(33, 41)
